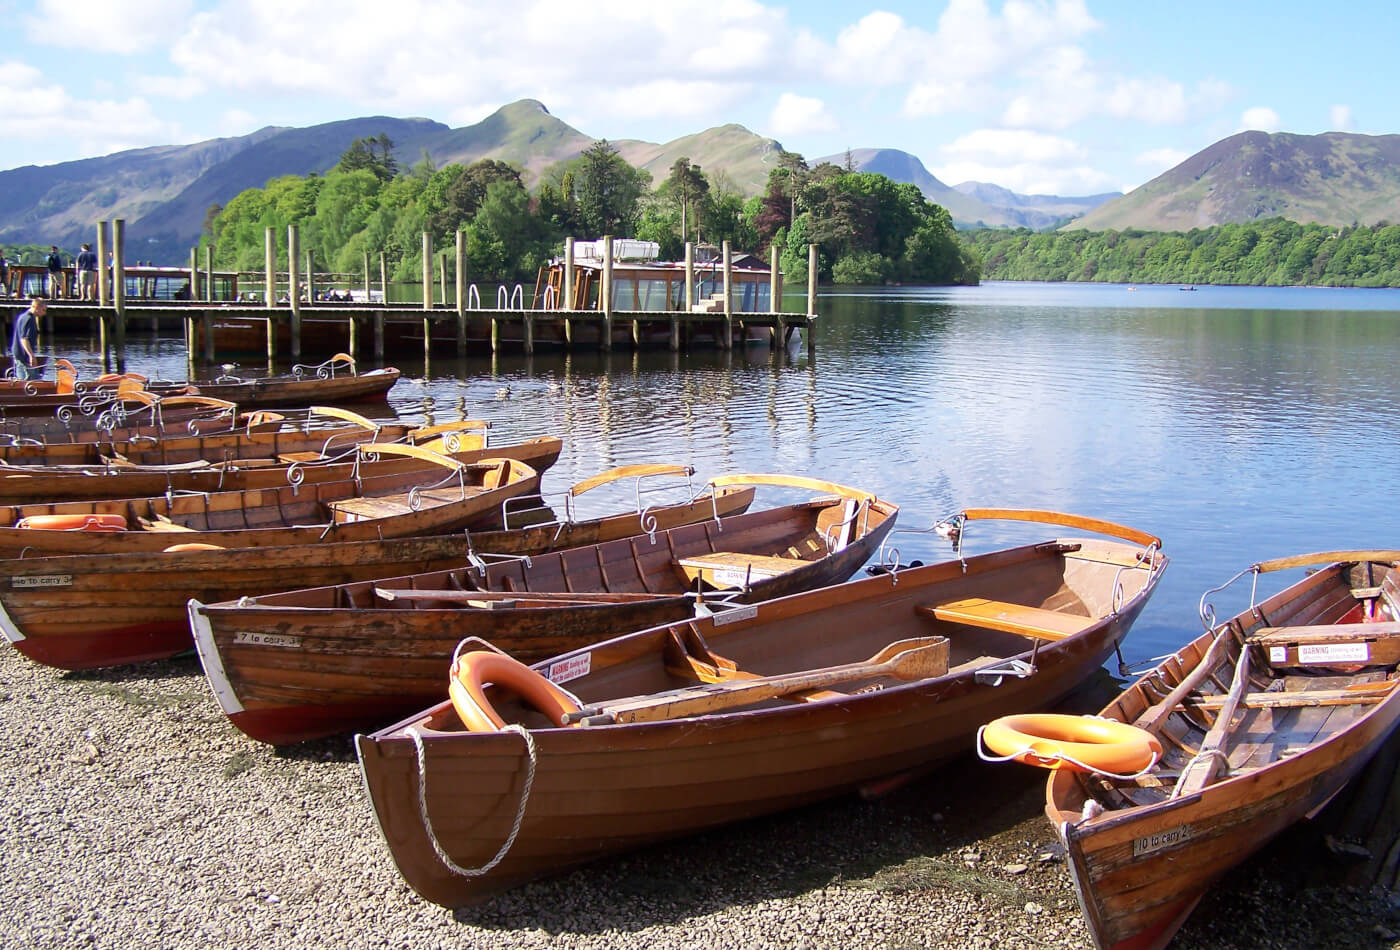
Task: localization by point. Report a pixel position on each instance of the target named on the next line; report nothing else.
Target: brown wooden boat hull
(272, 441)
(1139, 871)
(250, 393)
(89, 611)
(22, 488)
(346, 654)
(273, 517)
(598, 790)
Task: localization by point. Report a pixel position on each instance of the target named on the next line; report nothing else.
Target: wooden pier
(284, 323)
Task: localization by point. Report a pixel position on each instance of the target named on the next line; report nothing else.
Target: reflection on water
(1238, 423)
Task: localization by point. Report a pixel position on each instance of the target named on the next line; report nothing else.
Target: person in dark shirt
(24, 342)
(87, 272)
(55, 267)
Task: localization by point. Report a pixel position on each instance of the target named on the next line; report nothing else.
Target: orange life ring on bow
(89, 522)
(1077, 743)
(471, 670)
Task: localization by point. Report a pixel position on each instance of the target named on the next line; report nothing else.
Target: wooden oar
(1207, 763)
(1159, 712)
(598, 597)
(919, 658)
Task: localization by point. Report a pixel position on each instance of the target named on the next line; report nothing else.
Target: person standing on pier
(24, 342)
(87, 273)
(55, 268)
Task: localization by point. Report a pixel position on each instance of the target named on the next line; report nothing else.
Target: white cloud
(106, 26)
(1161, 159)
(1261, 118)
(1340, 119)
(34, 110)
(238, 122)
(1006, 145)
(1024, 161)
(169, 87)
(796, 115)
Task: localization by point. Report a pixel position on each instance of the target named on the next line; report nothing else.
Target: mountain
(1037, 211)
(1334, 178)
(745, 157)
(972, 204)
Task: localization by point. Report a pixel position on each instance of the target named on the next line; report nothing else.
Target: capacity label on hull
(266, 639)
(570, 669)
(42, 580)
(1161, 840)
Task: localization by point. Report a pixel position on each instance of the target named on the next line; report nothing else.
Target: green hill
(1336, 178)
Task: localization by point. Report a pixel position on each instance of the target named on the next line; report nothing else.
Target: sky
(1068, 97)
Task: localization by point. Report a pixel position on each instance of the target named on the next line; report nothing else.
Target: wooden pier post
(461, 288)
(209, 272)
(118, 290)
(383, 281)
(606, 292)
(689, 288)
(104, 273)
(567, 303)
(728, 264)
(427, 292)
(811, 300)
(775, 295)
(208, 319)
(310, 277)
(194, 274)
(270, 291)
(379, 334)
(366, 276)
(294, 283)
(442, 277)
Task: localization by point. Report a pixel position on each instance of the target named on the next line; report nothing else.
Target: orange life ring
(89, 522)
(194, 546)
(471, 670)
(1077, 743)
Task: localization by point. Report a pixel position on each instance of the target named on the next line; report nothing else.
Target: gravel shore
(134, 813)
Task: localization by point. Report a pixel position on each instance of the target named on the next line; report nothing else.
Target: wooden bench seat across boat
(725, 569)
(1328, 643)
(1027, 621)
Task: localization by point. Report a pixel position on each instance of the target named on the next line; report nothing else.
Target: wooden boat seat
(724, 569)
(1034, 622)
(1329, 643)
(1288, 699)
(347, 510)
(287, 458)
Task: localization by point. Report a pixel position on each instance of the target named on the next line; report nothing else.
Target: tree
(373, 153)
(686, 186)
(608, 190)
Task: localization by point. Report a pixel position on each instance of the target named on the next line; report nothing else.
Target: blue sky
(1041, 96)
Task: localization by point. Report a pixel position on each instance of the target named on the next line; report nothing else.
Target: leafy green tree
(375, 154)
(608, 191)
(686, 186)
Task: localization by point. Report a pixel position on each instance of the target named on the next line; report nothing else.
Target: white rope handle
(443, 856)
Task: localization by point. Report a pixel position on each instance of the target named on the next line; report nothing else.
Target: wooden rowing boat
(334, 381)
(1262, 719)
(321, 430)
(414, 502)
(29, 485)
(367, 652)
(708, 721)
(95, 610)
(127, 416)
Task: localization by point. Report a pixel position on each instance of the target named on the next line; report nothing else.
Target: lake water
(1237, 423)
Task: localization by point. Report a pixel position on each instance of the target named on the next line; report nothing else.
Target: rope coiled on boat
(442, 854)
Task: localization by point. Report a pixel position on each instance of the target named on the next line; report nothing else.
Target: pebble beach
(135, 814)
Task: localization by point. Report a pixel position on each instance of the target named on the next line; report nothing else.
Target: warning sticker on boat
(42, 580)
(571, 669)
(1334, 653)
(1278, 654)
(266, 639)
(1161, 840)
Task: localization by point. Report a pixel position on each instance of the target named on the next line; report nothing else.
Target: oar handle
(1325, 557)
(1064, 519)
